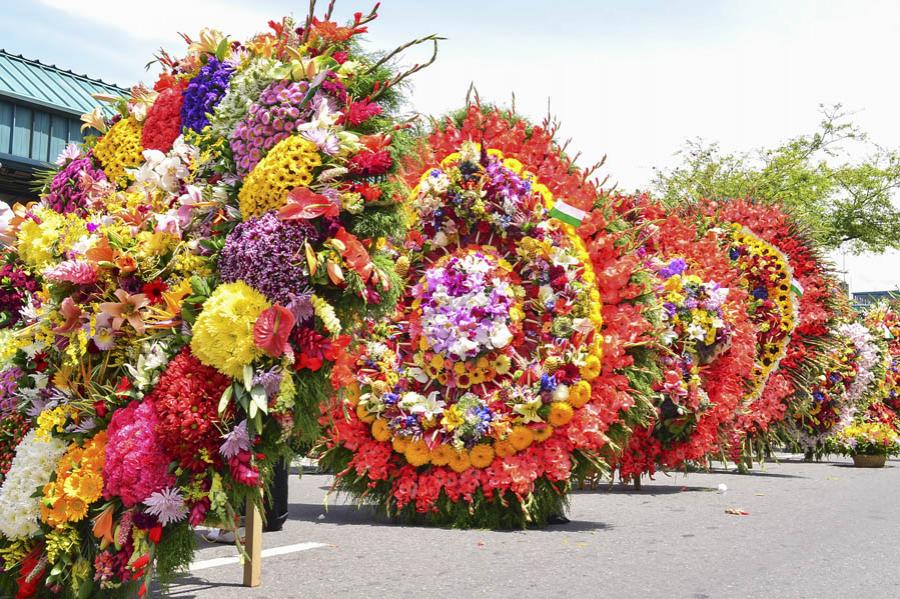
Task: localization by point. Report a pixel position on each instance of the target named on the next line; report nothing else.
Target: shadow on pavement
(758, 473)
(351, 515)
(189, 587)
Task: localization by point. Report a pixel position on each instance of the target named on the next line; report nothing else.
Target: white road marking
(235, 559)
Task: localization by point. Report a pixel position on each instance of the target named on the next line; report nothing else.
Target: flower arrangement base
(869, 461)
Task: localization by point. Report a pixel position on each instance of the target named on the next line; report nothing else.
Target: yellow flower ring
(489, 362)
(767, 275)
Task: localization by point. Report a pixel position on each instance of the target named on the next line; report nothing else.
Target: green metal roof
(51, 87)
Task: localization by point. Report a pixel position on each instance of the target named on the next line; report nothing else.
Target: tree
(847, 204)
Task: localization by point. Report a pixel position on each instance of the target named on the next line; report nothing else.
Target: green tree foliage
(847, 201)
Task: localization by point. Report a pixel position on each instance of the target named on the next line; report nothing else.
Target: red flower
(154, 290)
(370, 164)
(360, 112)
(273, 329)
(163, 123)
(186, 401)
(316, 349)
(155, 534)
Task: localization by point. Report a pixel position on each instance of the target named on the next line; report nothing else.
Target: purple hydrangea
(267, 254)
(272, 118)
(70, 190)
(204, 92)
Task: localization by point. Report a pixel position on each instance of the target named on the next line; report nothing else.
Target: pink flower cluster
(136, 465)
(271, 119)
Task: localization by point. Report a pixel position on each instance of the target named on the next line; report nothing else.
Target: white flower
(7, 236)
(561, 393)
(695, 331)
(500, 336)
(34, 463)
(429, 407)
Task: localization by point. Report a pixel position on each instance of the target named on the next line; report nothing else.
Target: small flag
(796, 287)
(567, 214)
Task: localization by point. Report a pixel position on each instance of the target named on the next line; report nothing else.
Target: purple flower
(204, 92)
(9, 383)
(70, 190)
(675, 267)
(236, 441)
(167, 505)
(267, 254)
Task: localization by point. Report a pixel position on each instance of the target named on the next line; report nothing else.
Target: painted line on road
(235, 559)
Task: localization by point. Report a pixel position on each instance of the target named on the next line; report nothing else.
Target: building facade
(40, 110)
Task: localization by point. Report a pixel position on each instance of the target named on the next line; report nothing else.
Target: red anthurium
(273, 329)
(305, 204)
(355, 254)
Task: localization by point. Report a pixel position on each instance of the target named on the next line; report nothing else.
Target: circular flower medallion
(486, 374)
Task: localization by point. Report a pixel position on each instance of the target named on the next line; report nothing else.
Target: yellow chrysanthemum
(78, 483)
(441, 455)
(119, 149)
(591, 368)
(542, 433)
(417, 453)
(288, 165)
(579, 394)
(399, 444)
(560, 413)
(223, 333)
(363, 414)
(521, 437)
(460, 461)
(481, 456)
(380, 431)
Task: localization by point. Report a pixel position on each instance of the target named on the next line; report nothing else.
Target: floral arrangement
(884, 320)
(177, 304)
(786, 392)
(707, 339)
(468, 408)
(831, 400)
(629, 331)
(868, 438)
(767, 275)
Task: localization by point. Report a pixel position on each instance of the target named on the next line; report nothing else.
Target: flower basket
(869, 461)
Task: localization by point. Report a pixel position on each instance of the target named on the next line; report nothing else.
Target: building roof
(49, 86)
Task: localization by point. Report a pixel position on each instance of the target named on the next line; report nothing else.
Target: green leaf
(222, 48)
(226, 397)
(253, 409)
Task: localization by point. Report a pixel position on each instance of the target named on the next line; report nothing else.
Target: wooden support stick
(253, 528)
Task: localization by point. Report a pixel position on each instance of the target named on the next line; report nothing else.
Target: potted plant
(868, 443)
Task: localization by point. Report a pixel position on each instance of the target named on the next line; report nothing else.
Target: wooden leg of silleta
(637, 483)
(253, 527)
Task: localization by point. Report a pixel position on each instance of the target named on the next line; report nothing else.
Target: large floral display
(707, 340)
(786, 391)
(471, 407)
(179, 300)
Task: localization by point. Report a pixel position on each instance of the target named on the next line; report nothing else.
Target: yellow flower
(460, 461)
(288, 165)
(542, 433)
(363, 414)
(591, 368)
(417, 453)
(481, 456)
(502, 364)
(560, 413)
(452, 418)
(223, 333)
(119, 149)
(520, 437)
(504, 448)
(442, 454)
(399, 444)
(579, 394)
(380, 430)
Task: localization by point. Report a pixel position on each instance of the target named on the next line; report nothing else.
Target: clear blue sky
(629, 79)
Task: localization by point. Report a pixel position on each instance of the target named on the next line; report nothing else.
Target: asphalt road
(812, 531)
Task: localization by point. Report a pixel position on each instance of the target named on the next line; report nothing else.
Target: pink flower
(72, 271)
(72, 313)
(127, 308)
(167, 505)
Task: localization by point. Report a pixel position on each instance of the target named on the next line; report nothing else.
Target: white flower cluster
(866, 360)
(34, 462)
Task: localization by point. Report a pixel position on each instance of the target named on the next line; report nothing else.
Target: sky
(629, 80)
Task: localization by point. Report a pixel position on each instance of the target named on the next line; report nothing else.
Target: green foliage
(174, 552)
(847, 204)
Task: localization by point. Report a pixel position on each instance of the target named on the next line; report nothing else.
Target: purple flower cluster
(267, 254)
(675, 267)
(69, 190)
(14, 284)
(204, 92)
(9, 383)
(272, 118)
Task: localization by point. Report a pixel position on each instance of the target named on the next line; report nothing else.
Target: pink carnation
(136, 465)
